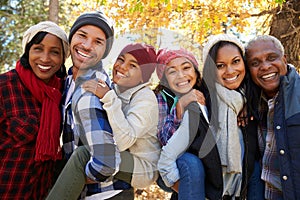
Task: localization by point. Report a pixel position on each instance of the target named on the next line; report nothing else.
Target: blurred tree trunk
(285, 26)
(53, 10)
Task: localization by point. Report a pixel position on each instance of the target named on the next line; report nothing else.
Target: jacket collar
(126, 95)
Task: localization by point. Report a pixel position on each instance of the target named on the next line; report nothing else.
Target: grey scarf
(230, 103)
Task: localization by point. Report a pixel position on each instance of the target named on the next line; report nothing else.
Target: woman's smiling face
(181, 75)
(230, 66)
(46, 58)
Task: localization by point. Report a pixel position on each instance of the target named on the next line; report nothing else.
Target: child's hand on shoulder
(192, 96)
(242, 119)
(99, 88)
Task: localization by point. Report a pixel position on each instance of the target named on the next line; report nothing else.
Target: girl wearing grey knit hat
(225, 74)
(30, 116)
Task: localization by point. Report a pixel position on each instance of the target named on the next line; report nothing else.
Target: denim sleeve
(175, 147)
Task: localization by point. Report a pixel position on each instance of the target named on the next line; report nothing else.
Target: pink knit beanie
(165, 55)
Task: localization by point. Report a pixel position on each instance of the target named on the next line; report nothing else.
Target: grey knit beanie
(214, 39)
(96, 18)
(49, 27)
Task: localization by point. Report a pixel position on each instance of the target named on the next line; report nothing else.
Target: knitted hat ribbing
(49, 27)
(214, 39)
(164, 56)
(146, 57)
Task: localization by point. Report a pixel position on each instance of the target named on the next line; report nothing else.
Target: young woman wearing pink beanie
(183, 125)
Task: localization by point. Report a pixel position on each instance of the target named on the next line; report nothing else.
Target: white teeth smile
(120, 74)
(231, 79)
(268, 76)
(183, 83)
(83, 54)
(44, 67)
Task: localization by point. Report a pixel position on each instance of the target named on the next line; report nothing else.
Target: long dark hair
(210, 76)
(37, 39)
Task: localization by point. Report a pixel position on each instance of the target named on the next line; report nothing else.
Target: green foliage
(16, 17)
(195, 19)
(280, 1)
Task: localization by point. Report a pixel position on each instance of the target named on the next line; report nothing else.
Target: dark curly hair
(210, 75)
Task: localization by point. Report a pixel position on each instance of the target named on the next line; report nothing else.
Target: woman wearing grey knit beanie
(30, 115)
(226, 77)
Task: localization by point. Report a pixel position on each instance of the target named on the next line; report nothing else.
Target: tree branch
(265, 12)
(291, 33)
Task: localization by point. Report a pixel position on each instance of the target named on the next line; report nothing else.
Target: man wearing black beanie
(87, 135)
(84, 54)
(98, 19)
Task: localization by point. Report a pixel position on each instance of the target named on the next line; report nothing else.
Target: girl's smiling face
(180, 75)
(230, 66)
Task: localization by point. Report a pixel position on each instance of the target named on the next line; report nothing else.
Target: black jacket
(203, 145)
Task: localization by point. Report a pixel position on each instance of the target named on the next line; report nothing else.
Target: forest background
(161, 23)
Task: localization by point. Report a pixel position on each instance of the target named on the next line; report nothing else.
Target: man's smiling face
(266, 64)
(88, 45)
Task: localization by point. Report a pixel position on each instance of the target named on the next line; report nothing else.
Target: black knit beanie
(98, 19)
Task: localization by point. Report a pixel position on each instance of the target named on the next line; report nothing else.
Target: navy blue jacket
(287, 133)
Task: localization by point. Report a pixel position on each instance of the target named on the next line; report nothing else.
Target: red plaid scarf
(49, 95)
